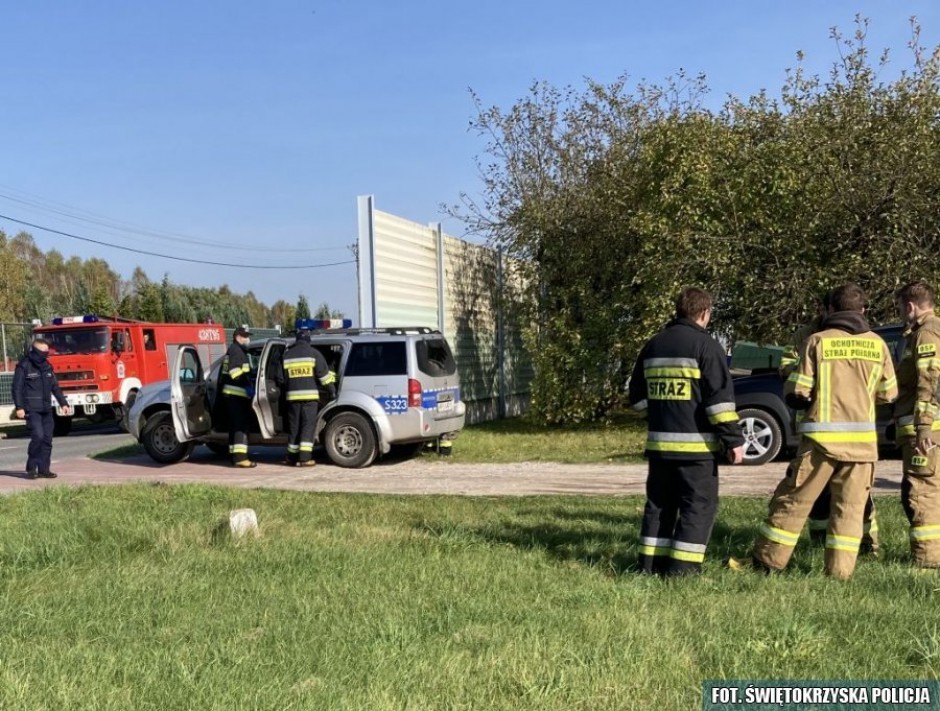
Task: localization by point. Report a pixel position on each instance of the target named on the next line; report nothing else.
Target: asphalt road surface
(85, 439)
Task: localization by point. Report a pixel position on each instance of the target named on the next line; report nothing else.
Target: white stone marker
(242, 522)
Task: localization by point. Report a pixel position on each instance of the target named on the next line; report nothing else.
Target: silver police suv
(397, 388)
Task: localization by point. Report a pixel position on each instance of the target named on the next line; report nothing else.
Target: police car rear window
(377, 359)
(435, 358)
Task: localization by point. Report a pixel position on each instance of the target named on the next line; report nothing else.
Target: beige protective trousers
(807, 476)
(920, 496)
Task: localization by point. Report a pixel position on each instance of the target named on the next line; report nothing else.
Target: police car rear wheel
(350, 441)
(763, 436)
(159, 439)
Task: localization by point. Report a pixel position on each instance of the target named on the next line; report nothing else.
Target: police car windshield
(78, 341)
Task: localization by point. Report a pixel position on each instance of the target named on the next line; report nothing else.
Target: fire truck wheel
(61, 426)
(159, 439)
(350, 441)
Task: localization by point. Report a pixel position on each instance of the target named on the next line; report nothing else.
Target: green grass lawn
(128, 598)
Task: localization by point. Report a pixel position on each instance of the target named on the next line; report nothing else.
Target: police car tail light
(414, 393)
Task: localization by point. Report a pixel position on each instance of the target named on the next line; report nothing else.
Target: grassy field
(519, 440)
(130, 598)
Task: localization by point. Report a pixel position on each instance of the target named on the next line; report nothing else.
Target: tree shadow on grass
(596, 539)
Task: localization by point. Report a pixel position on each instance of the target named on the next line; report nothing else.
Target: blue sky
(259, 123)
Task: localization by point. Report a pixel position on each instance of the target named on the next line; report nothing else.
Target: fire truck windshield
(78, 341)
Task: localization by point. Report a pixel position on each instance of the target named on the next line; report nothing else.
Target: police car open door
(189, 401)
(267, 399)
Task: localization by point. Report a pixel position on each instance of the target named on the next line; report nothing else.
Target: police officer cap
(243, 331)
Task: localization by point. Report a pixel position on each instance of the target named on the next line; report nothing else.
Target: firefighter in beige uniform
(917, 422)
(844, 370)
(818, 521)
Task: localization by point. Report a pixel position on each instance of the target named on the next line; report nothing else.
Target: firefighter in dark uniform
(237, 391)
(303, 367)
(681, 379)
(34, 386)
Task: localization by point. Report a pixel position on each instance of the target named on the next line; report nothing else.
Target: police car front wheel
(350, 441)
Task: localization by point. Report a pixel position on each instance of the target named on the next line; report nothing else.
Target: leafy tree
(613, 198)
(303, 308)
(325, 312)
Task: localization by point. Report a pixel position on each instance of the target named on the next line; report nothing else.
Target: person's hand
(736, 455)
(20, 414)
(924, 442)
(67, 410)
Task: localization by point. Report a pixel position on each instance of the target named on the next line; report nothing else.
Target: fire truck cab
(101, 362)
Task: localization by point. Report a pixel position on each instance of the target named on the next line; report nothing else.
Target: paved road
(424, 475)
(84, 440)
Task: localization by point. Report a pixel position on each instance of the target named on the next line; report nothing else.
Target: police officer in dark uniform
(302, 367)
(237, 391)
(681, 379)
(34, 386)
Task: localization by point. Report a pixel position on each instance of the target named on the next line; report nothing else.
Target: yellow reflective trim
(869, 349)
(928, 363)
(234, 390)
(805, 381)
(919, 460)
(889, 384)
(656, 446)
(723, 417)
(778, 535)
(654, 550)
(836, 437)
(672, 372)
(686, 556)
(825, 392)
(668, 389)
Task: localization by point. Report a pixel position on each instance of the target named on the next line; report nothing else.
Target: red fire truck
(101, 362)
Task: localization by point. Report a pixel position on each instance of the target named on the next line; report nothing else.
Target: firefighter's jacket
(790, 357)
(302, 367)
(845, 370)
(235, 371)
(681, 379)
(918, 378)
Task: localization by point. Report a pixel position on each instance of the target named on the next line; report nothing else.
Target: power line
(44, 205)
(168, 256)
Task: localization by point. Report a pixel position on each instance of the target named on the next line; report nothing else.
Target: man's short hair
(917, 292)
(692, 302)
(848, 297)
(40, 341)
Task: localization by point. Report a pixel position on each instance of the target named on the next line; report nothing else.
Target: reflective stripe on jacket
(843, 376)
(302, 368)
(919, 378)
(681, 379)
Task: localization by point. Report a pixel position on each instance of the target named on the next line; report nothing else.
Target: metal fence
(415, 275)
(15, 338)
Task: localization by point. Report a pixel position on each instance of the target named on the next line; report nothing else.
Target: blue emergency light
(314, 324)
(87, 318)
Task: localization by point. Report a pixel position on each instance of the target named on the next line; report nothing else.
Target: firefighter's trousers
(301, 426)
(920, 496)
(819, 522)
(681, 503)
(239, 421)
(808, 475)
